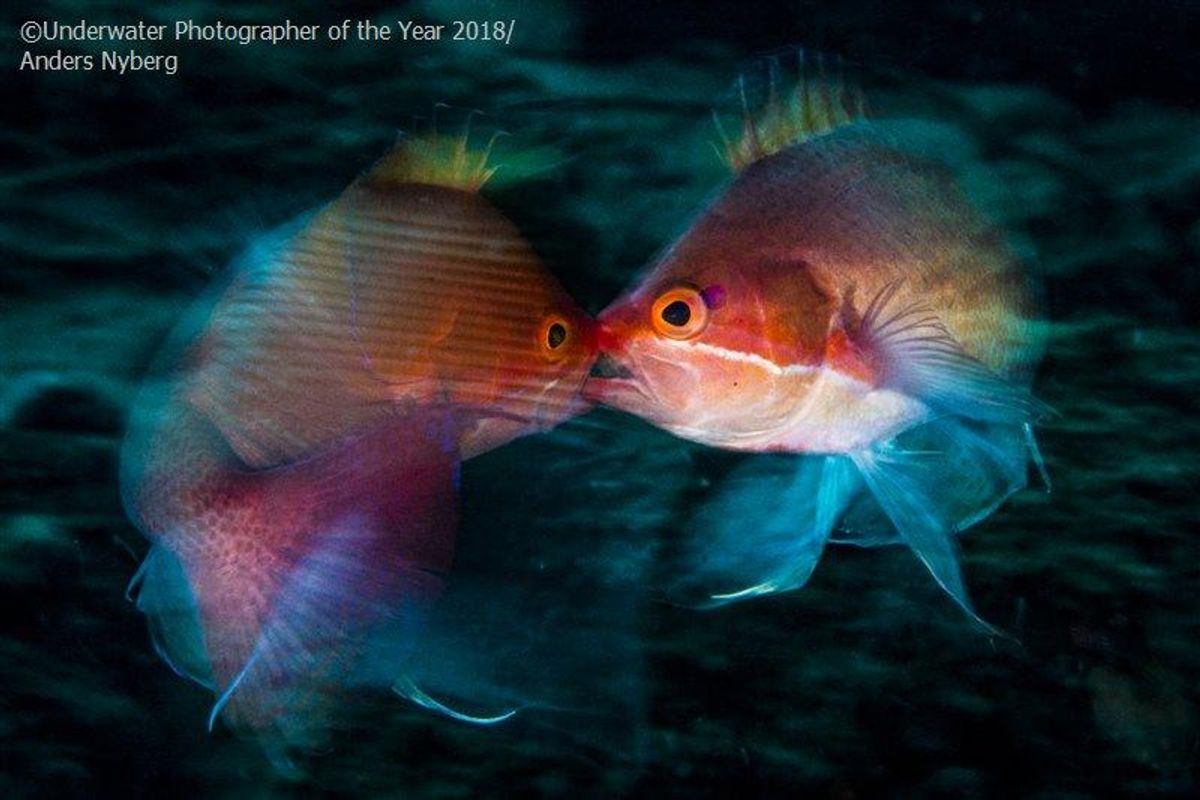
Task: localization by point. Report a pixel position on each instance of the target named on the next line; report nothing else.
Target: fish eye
(553, 337)
(679, 313)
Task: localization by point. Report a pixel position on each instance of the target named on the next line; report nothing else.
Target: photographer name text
(125, 60)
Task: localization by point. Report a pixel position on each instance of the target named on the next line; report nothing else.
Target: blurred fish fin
(347, 590)
(291, 585)
(919, 355)
(865, 525)
(461, 160)
(941, 478)
(1035, 452)
(346, 616)
(918, 525)
(783, 99)
(764, 531)
(408, 689)
(986, 461)
(161, 592)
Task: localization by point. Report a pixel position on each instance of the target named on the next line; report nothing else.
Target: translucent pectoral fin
(921, 357)
(936, 480)
(764, 531)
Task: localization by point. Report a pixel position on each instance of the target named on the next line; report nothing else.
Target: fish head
(542, 347)
(716, 344)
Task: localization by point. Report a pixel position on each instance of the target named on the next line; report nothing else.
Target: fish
(294, 459)
(842, 299)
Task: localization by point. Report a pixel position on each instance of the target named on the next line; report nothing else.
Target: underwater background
(124, 196)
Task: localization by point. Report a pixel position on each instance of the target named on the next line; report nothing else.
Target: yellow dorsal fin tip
(811, 106)
(438, 160)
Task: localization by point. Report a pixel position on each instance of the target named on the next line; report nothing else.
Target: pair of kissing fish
(295, 462)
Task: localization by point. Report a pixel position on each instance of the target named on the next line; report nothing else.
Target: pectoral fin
(911, 349)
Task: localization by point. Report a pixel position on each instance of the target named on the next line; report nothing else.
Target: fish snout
(607, 336)
(610, 351)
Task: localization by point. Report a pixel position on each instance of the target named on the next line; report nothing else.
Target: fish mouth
(606, 368)
(612, 383)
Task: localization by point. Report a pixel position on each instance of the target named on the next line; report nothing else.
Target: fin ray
(776, 111)
(920, 356)
(908, 478)
(929, 538)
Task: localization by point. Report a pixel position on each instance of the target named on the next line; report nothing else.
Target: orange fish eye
(679, 313)
(553, 336)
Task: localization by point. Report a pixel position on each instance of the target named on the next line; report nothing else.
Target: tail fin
(282, 588)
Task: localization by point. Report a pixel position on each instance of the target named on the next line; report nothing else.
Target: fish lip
(609, 379)
(606, 367)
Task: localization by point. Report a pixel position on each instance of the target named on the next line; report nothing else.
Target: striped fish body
(392, 296)
(295, 465)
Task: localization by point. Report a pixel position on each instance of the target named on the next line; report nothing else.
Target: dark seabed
(124, 195)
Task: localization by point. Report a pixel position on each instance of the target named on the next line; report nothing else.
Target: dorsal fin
(785, 99)
(452, 161)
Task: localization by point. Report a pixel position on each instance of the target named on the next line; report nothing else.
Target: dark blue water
(125, 195)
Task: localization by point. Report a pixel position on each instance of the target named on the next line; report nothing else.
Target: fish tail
(281, 589)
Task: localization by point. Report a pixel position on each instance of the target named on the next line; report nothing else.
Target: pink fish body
(841, 298)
